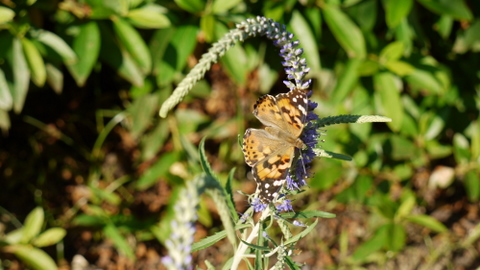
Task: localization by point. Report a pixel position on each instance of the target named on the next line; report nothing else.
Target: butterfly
(270, 151)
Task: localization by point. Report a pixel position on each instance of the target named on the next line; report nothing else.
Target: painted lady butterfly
(270, 151)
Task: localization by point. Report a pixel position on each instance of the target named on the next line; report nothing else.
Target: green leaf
(368, 68)
(149, 16)
(472, 185)
(33, 224)
(391, 52)
(49, 237)
(171, 48)
(118, 58)
(347, 80)
(301, 234)
(396, 11)
(365, 14)
(133, 44)
(21, 75)
(87, 46)
(429, 222)
(159, 169)
(437, 150)
(405, 33)
(142, 109)
(374, 244)
(193, 6)
(13, 237)
(229, 194)
(345, 31)
(406, 206)
(207, 24)
(444, 26)
(6, 15)
(402, 148)
(209, 241)
(112, 232)
(386, 87)
(204, 160)
(396, 237)
(301, 28)
(35, 258)
(400, 68)
(220, 6)
(307, 214)
(461, 148)
(5, 123)
(57, 44)
(54, 78)
(6, 100)
(424, 80)
(455, 8)
(35, 62)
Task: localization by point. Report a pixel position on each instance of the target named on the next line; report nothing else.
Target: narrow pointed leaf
(396, 11)
(35, 258)
(33, 224)
(49, 237)
(150, 16)
(21, 75)
(35, 62)
(57, 44)
(87, 46)
(6, 100)
(346, 32)
(302, 29)
(133, 43)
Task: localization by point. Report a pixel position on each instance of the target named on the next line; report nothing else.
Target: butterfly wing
(270, 158)
(286, 112)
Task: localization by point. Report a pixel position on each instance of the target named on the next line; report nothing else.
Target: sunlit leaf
(149, 16)
(36, 258)
(429, 222)
(302, 29)
(35, 62)
(56, 43)
(400, 68)
(220, 6)
(133, 43)
(49, 237)
(6, 15)
(391, 52)
(21, 75)
(33, 224)
(387, 89)
(345, 31)
(6, 100)
(54, 78)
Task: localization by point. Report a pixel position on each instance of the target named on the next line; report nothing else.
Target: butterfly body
(270, 151)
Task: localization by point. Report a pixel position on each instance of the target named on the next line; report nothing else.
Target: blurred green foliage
(112, 63)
